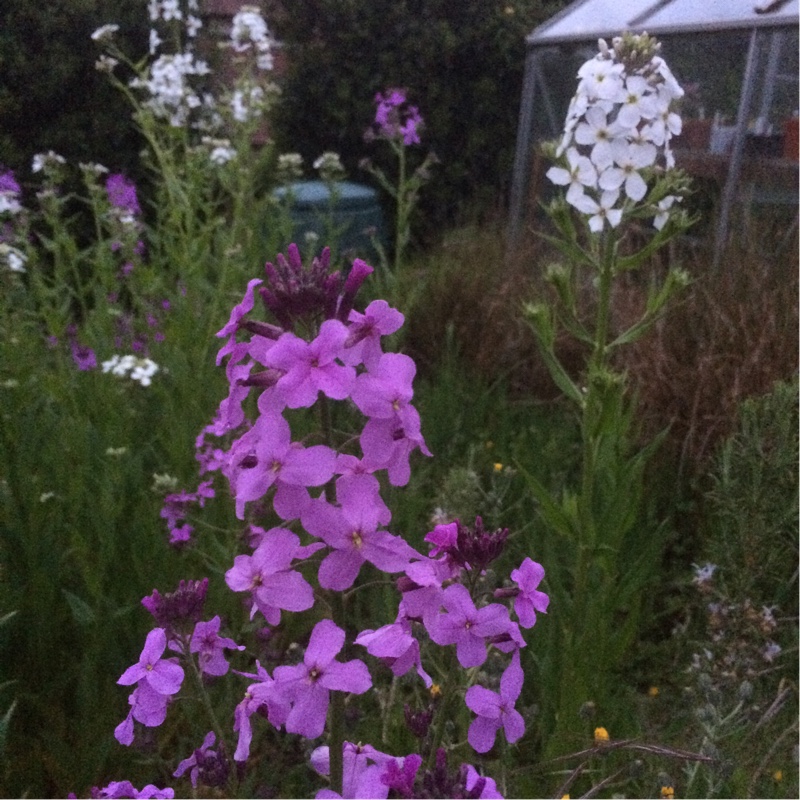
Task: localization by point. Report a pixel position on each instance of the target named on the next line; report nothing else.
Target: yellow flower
(435, 690)
(653, 691)
(564, 797)
(498, 467)
(600, 735)
(778, 775)
(667, 792)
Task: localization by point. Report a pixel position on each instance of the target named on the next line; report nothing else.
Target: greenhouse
(738, 63)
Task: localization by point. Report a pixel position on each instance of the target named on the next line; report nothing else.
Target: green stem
(338, 613)
(402, 212)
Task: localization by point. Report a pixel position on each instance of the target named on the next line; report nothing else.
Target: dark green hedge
(51, 96)
(461, 61)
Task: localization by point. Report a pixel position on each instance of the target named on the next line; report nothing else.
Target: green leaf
(560, 519)
(82, 612)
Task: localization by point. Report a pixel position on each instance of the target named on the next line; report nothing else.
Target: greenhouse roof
(586, 20)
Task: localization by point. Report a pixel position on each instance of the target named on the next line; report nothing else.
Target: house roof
(586, 20)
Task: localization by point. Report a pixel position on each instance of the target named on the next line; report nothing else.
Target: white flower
(600, 79)
(598, 133)
(601, 211)
(13, 258)
(222, 155)
(581, 173)
(105, 64)
(105, 32)
(193, 25)
(170, 9)
(660, 219)
(43, 161)
(140, 369)
(621, 121)
(637, 102)
(247, 103)
(155, 41)
(703, 575)
(248, 28)
(9, 203)
(771, 651)
(629, 158)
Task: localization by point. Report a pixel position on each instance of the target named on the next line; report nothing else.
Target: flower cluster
(395, 119)
(328, 521)
(249, 32)
(618, 130)
(9, 193)
(140, 370)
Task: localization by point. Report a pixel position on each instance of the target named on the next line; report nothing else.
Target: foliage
(51, 97)
(461, 63)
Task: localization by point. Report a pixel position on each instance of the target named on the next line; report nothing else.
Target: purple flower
(122, 193)
(310, 368)
(351, 532)
(120, 789)
(529, 600)
(495, 710)
(363, 343)
(308, 685)
(147, 706)
(162, 675)
(395, 645)
(395, 120)
(207, 765)
(238, 312)
(400, 779)
(8, 183)
(386, 391)
(262, 694)
(265, 456)
(388, 444)
(467, 627)
(210, 646)
(84, 357)
(267, 575)
(363, 771)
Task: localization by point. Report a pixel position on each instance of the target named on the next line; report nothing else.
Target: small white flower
(602, 211)
(105, 32)
(600, 79)
(43, 161)
(193, 25)
(155, 41)
(9, 203)
(770, 652)
(170, 9)
(116, 452)
(105, 64)
(581, 173)
(45, 496)
(703, 575)
(637, 102)
(661, 217)
(222, 155)
(598, 133)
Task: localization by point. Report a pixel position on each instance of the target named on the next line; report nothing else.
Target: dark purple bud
(358, 273)
(179, 610)
(264, 379)
(503, 594)
(261, 328)
(418, 722)
(405, 584)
